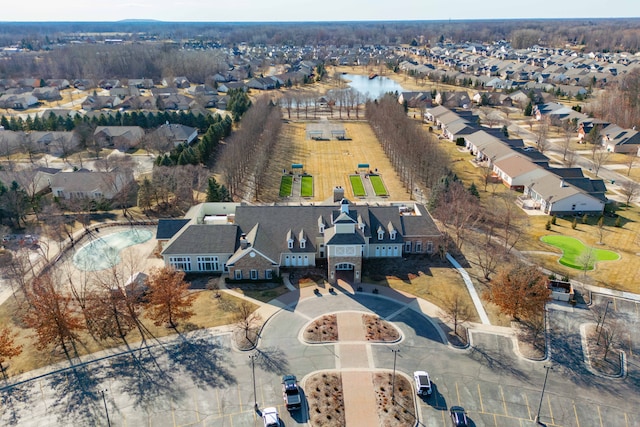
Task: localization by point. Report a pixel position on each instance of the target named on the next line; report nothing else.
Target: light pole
(547, 367)
(393, 377)
(106, 410)
(253, 375)
(604, 316)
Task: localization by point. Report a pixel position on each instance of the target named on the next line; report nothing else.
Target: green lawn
(357, 185)
(285, 185)
(575, 253)
(378, 185)
(307, 186)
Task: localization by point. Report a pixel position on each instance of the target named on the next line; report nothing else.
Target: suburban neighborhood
(207, 231)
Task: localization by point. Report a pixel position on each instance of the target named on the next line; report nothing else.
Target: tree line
(149, 120)
(414, 154)
(246, 153)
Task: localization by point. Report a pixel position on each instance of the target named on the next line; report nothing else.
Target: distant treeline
(148, 120)
(606, 34)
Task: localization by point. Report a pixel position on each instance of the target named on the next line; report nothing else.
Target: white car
(423, 383)
(270, 417)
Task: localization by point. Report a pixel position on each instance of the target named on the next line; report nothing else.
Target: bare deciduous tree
(456, 309)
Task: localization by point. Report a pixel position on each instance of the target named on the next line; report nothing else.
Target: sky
(311, 10)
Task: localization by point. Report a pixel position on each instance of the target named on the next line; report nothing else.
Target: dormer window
(380, 233)
(321, 226)
(290, 239)
(302, 239)
(393, 234)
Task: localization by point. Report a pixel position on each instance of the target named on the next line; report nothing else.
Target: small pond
(372, 88)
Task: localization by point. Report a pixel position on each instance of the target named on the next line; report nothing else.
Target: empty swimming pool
(104, 252)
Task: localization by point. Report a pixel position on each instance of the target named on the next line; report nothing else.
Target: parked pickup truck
(291, 392)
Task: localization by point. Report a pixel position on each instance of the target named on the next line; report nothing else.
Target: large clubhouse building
(255, 242)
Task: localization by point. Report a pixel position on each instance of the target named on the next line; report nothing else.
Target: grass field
(576, 254)
(357, 186)
(307, 186)
(378, 185)
(285, 185)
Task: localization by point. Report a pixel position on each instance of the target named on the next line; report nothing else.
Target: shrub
(547, 226)
(554, 219)
(618, 222)
(585, 219)
(574, 224)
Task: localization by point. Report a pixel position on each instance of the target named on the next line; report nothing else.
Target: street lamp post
(253, 375)
(604, 316)
(106, 410)
(393, 377)
(544, 384)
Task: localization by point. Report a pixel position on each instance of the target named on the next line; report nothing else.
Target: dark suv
(458, 417)
(291, 392)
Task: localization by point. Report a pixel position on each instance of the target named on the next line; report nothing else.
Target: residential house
(553, 195)
(176, 133)
(18, 102)
(140, 83)
(619, 140)
(257, 242)
(416, 99)
(262, 83)
(119, 137)
(174, 102)
(47, 93)
(84, 184)
(55, 143)
(99, 102)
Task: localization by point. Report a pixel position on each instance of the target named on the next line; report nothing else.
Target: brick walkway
(357, 386)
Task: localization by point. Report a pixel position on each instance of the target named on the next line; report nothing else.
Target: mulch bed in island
(326, 401)
(400, 414)
(322, 329)
(609, 365)
(379, 330)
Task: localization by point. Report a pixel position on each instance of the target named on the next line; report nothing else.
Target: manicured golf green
(357, 185)
(285, 185)
(575, 253)
(378, 185)
(307, 186)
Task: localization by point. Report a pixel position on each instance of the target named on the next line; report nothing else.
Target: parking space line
(230, 420)
(195, 400)
(575, 411)
(458, 393)
(550, 410)
(218, 401)
(526, 400)
(599, 416)
(173, 414)
(626, 420)
(239, 397)
(495, 420)
(481, 404)
(261, 393)
(504, 404)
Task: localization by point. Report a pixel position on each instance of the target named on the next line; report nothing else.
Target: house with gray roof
(256, 242)
(120, 137)
(84, 184)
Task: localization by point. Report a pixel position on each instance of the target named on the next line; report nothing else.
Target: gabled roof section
(203, 239)
(168, 227)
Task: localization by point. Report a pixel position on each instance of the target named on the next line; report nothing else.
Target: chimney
(244, 243)
(338, 193)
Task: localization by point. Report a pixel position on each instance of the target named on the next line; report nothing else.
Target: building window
(393, 234)
(321, 228)
(254, 274)
(429, 247)
(303, 244)
(180, 263)
(268, 274)
(208, 263)
(237, 274)
(418, 246)
(290, 243)
(407, 246)
(380, 235)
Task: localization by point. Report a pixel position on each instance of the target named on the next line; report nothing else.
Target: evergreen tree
(474, 190)
(528, 109)
(213, 190)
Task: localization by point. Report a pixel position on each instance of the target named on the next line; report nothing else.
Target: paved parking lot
(200, 380)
